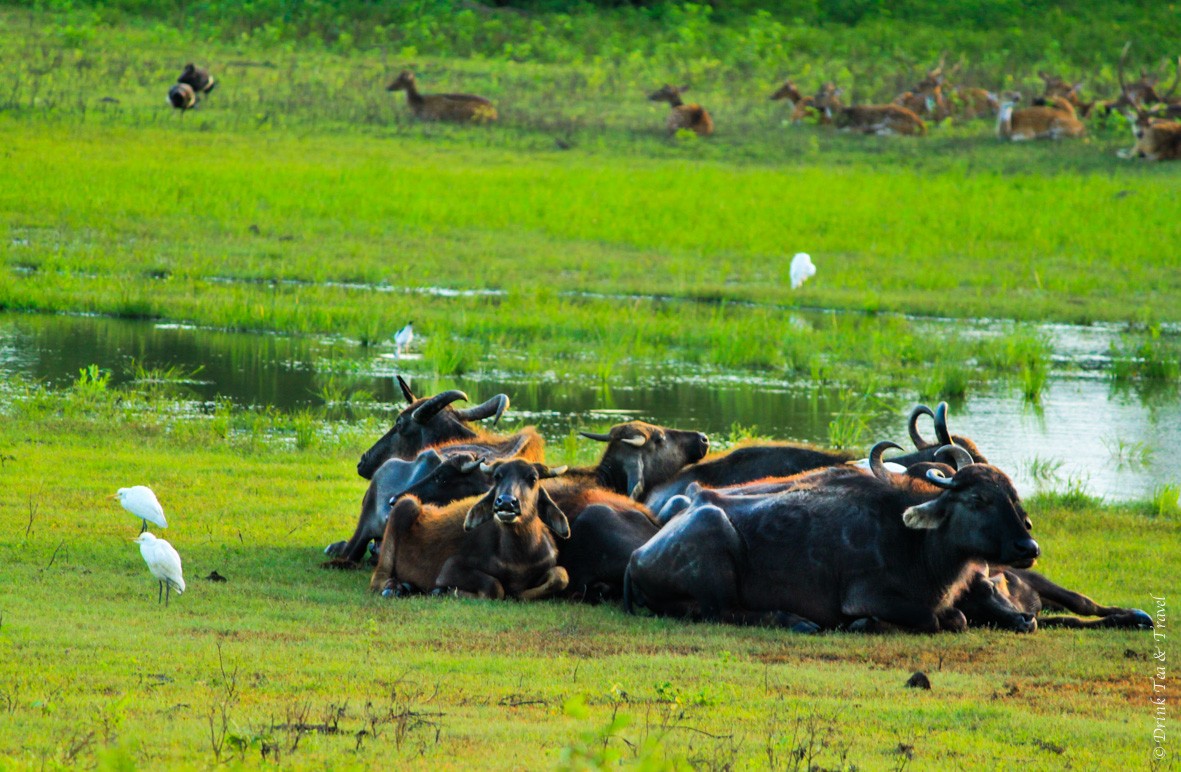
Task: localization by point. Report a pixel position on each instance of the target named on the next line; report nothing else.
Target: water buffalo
(774, 466)
(640, 456)
(840, 549)
(1012, 598)
(450, 548)
(428, 421)
(606, 525)
(508, 549)
(431, 472)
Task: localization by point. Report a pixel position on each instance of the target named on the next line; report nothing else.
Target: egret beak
(113, 496)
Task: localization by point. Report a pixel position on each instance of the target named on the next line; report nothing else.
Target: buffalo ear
(552, 516)
(480, 513)
(406, 510)
(929, 515)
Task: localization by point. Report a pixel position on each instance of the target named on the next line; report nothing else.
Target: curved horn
(635, 442)
(912, 426)
(960, 457)
(596, 437)
(485, 467)
(875, 459)
(429, 409)
(406, 392)
(941, 432)
(493, 407)
(936, 478)
(467, 467)
(555, 471)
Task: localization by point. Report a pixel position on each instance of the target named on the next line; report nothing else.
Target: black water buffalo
(842, 548)
(782, 460)
(428, 421)
(433, 477)
(656, 455)
(1012, 598)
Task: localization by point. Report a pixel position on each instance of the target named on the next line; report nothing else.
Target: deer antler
(1176, 78)
(1119, 70)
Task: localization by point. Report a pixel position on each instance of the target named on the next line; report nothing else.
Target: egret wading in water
(802, 269)
(141, 502)
(403, 338)
(164, 563)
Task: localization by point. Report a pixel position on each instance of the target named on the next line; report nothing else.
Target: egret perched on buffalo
(403, 339)
(141, 502)
(802, 269)
(164, 563)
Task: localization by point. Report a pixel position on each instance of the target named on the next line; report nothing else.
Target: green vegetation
(571, 239)
(94, 671)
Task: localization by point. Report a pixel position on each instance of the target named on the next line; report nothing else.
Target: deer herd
(1155, 118)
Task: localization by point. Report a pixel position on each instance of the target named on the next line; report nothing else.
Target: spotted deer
(455, 108)
(1054, 120)
(693, 117)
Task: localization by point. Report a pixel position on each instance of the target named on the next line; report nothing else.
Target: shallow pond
(1115, 443)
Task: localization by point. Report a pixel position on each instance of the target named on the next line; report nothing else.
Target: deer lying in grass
(801, 105)
(1057, 87)
(1157, 139)
(456, 108)
(683, 116)
(869, 119)
(1054, 120)
(933, 98)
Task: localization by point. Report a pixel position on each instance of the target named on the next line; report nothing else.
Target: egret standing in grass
(801, 269)
(403, 338)
(164, 563)
(141, 502)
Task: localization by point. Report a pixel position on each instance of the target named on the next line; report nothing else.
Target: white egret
(403, 338)
(141, 502)
(164, 563)
(801, 269)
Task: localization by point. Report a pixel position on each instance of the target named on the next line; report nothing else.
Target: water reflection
(1116, 440)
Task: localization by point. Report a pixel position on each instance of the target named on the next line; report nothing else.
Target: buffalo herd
(773, 534)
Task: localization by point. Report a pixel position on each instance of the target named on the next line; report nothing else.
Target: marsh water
(1116, 443)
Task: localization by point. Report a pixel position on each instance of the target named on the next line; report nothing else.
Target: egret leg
(167, 593)
(159, 591)
(141, 530)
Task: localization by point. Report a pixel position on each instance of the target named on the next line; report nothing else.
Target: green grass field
(301, 198)
(298, 665)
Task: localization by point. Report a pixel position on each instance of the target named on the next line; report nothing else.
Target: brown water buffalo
(842, 548)
(508, 549)
(432, 471)
(455, 548)
(429, 421)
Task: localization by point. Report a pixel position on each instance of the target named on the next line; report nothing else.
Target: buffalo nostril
(1028, 547)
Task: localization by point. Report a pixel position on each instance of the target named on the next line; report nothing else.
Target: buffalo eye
(1028, 524)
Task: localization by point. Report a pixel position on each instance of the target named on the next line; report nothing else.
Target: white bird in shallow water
(141, 502)
(164, 563)
(403, 338)
(802, 269)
